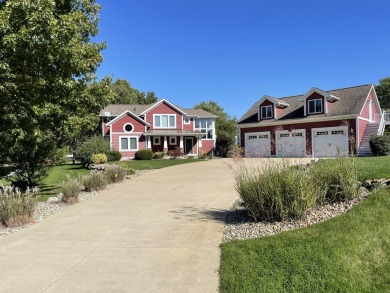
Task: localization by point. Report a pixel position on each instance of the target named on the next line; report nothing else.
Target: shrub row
(281, 192)
(380, 145)
(94, 181)
(16, 207)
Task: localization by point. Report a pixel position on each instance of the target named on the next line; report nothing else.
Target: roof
(351, 102)
(137, 109)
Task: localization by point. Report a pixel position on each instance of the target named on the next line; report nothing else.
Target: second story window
(315, 106)
(266, 112)
(205, 125)
(164, 121)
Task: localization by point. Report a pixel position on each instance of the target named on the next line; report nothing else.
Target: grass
(154, 164)
(349, 253)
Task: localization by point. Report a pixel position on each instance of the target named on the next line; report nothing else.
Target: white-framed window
(173, 140)
(128, 143)
(266, 112)
(205, 125)
(187, 120)
(156, 140)
(315, 106)
(128, 127)
(164, 121)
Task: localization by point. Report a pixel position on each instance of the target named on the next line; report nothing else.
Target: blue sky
(234, 52)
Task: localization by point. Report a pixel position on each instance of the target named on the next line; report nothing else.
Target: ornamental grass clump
(70, 190)
(16, 207)
(275, 192)
(115, 174)
(336, 180)
(94, 181)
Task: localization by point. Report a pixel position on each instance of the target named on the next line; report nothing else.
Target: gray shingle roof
(117, 109)
(351, 102)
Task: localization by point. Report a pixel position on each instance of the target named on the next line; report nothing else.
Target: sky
(234, 52)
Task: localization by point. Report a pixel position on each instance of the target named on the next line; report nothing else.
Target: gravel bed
(240, 226)
(54, 206)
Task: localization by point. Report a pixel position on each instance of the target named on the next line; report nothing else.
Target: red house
(161, 126)
(319, 123)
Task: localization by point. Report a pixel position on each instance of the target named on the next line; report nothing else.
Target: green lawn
(349, 253)
(155, 164)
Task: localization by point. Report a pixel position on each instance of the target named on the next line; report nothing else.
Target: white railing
(381, 128)
(386, 116)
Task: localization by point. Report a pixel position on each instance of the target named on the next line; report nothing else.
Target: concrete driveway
(159, 232)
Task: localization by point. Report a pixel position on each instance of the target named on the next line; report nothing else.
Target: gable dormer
(317, 102)
(270, 108)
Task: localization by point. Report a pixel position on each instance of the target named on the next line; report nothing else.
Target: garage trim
(329, 131)
(259, 135)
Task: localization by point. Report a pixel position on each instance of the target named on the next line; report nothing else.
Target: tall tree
(124, 93)
(47, 76)
(383, 92)
(226, 129)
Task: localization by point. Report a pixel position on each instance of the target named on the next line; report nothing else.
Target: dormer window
(266, 112)
(315, 106)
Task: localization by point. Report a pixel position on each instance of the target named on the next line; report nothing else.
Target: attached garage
(258, 144)
(330, 141)
(291, 144)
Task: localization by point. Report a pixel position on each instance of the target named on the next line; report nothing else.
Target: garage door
(330, 142)
(291, 144)
(258, 144)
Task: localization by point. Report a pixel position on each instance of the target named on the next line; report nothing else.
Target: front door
(188, 145)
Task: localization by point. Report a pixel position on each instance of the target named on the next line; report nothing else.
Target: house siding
(118, 125)
(365, 109)
(127, 154)
(351, 123)
(207, 146)
(189, 126)
(362, 124)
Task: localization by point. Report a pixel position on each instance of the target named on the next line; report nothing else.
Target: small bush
(115, 174)
(70, 190)
(94, 181)
(158, 155)
(176, 153)
(93, 145)
(275, 193)
(143, 155)
(336, 181)
(17, 208)
(114, 156)
(202, 155)
(380, 145)
(99, 158)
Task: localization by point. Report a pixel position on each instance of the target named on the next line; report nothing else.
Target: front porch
(188, 143)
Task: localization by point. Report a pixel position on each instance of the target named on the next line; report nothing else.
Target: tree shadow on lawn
(197, 212)
(47, 190)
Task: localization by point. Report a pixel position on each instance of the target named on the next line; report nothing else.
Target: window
(156, 140)
(263, 135)
(252, 136)
(297, 134)
(129, 143)
(322, 133)
(128, 127)
(187, 120)
(266, 112)
(172, 140)
(334, 132)
(284, 135)
(205, 125)
(164, 121)
(315, 106)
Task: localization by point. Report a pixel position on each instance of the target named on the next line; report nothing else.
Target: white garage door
(258, 144)
(291, 144)
(330, 141)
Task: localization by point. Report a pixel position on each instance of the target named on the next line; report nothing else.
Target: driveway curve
(159, 232)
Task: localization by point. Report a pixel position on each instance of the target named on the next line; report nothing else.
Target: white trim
(156, 140)
(362, 118)
(128, 138)
(378, 107)
(357, 139)
(330, 128)
(160, 115)
(370, 102)
(163, 101)
(296, 121)
(131, 114)
(124, 127)
(312, 91)
(170, 140)
(261, 111)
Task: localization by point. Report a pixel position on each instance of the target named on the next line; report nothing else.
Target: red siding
(164, 109)
(129, 154)
(314, 96)
(307, 126)
(267, 103)
(329, 105)
(118, 125)
(362, 127)
(104, 126)
(207, 146)
(189, 126)
(365, 109)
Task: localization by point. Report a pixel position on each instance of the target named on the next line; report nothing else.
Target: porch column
(165, 143)
(181, 145)
(199, 145)
(148, 144)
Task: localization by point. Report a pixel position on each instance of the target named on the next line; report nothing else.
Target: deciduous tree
(383, 92)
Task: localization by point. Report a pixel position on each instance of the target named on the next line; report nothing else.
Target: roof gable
(166, 102)
(127, 112)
